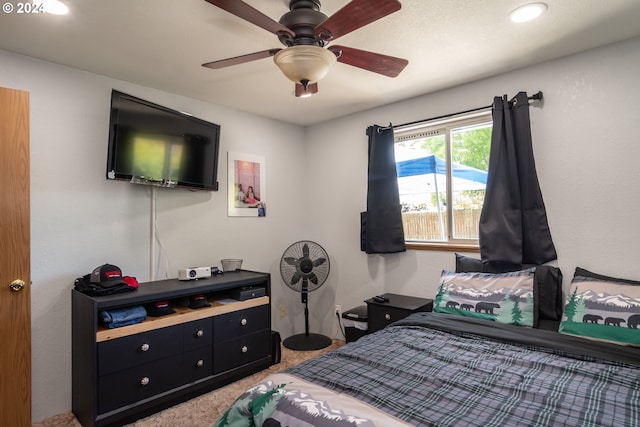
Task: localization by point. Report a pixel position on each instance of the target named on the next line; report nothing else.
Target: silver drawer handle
(200, 363)
(387, 316)
(244, 349)
(200, 333)
(145, 347)
(243, 322)
(144, 381)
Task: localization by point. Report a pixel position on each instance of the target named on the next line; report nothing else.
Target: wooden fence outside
(426, 225)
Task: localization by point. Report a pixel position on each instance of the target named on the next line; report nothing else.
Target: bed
(452, 369)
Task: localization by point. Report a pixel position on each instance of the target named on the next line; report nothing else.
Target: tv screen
(151, 144)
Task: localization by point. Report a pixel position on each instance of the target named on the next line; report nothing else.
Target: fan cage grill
(296, 252)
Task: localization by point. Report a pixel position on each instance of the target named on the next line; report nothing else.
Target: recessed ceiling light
(528, 12)
(55, 7)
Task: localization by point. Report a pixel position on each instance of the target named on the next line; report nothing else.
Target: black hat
(198, 301)
(107, 275)
(159, 308)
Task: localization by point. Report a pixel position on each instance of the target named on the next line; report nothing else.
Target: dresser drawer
(197, 364)
(380, 317)
(197, 334)
(237, 352)
(395, 308)
(137, 383)
(237, 323)
(121, 353)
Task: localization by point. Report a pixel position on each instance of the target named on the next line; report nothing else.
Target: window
(442, 175)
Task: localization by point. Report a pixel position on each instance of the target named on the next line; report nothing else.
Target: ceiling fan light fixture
(300, 63)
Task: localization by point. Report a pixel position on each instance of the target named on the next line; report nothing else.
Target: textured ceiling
(162, 44)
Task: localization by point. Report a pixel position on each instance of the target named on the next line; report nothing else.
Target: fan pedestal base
(304, 342)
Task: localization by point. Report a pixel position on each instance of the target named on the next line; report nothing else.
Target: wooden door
(15, 274)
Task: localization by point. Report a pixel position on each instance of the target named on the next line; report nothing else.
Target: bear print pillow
(605, 310)
(505, 297)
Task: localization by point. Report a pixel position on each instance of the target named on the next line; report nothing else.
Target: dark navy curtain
(381, 225)
(513, 222)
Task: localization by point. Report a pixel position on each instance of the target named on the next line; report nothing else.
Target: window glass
(442, 171)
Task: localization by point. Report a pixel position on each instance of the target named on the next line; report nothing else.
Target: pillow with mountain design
(504, 297)
(606, 310)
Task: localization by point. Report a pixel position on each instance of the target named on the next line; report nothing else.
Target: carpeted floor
(203, 410)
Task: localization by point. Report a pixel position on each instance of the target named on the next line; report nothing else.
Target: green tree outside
(471, 147)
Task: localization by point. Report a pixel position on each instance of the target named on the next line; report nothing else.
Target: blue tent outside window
(433, 164)
(421, 176)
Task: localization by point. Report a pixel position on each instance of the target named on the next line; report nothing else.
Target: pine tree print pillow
(506, 297)
(607, 310)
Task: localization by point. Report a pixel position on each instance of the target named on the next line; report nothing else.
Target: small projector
(194, 273)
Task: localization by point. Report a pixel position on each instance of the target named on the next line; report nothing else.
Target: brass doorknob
(16, 285)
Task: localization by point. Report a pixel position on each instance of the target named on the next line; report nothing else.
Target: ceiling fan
(305, 31)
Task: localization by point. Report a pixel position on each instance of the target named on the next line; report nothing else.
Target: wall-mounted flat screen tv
(155, 145)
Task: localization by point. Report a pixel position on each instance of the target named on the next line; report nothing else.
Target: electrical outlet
(338, 310)
(283, 311)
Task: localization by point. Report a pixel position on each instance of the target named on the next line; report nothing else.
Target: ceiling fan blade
(382, 64)
(222, 63)
(250, 14)
(311, 89)
(354, 15)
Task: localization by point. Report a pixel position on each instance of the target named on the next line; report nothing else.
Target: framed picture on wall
(246, 185)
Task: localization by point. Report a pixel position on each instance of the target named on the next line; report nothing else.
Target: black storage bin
(276, 350)
(355, 323)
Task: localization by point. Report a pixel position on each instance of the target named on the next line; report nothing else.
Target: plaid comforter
(425, 375)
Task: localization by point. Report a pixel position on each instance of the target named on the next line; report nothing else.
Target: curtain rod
(535, 96)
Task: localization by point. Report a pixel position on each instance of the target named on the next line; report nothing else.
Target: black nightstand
(398, 307)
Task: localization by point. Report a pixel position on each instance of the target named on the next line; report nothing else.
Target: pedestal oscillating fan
(304, 268)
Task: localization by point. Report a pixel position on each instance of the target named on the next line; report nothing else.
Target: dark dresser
(126, 373)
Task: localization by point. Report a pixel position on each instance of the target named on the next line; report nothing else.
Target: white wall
(585, 142)
(79, 220)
